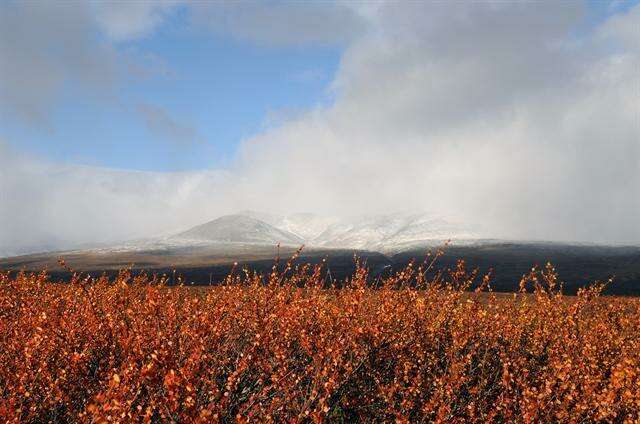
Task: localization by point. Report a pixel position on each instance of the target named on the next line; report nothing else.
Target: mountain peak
(388, 232)
(240, 228)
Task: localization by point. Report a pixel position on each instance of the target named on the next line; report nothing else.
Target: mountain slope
(239, 229)
(307, 226)
(391, 232)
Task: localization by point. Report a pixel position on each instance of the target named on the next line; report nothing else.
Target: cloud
(47, 46)
(493, 112)
(47, 205)
(44, 45)
(162, 125)
(122, 21)
(499, 114)
(624, 28)
(281, 23)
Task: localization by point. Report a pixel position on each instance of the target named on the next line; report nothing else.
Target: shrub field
(284, 347)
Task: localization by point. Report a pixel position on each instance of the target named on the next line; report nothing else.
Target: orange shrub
(284, 348)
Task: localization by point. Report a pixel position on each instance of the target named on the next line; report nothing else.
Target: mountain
(239, 229)
(388, 234)
(208, 252)
(392, 232)
(307, 226)
(383, 233)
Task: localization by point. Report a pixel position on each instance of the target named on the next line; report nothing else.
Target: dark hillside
(576, 265)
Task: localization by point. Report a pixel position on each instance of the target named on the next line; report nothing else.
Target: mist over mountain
(251, 230)
(207, 252)
(390, 232)
(307, 226)
(239, 229)
(519, 116)
(379, 233)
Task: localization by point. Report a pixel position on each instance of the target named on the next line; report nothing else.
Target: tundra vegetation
(287, 347)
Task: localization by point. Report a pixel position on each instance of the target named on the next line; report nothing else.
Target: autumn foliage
(413, 347)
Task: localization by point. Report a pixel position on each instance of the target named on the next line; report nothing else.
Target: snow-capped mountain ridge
(390, 232)
(375, 232)
(378, 233)
(239, 229)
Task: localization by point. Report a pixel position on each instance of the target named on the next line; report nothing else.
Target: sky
(121, 120)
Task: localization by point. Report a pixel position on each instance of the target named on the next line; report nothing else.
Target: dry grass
(284, 348)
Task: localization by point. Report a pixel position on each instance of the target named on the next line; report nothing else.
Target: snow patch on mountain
(381, 233)
(371, 232)
(393, 232)
(240, 229)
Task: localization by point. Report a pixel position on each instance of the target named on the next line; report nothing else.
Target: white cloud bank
(499, 113)
(44, 45)
(125, 20)
(508, 115)
(46, 206)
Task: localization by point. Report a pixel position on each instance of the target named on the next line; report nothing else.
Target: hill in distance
(240, 229)
(206, 253)
(381, 233)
